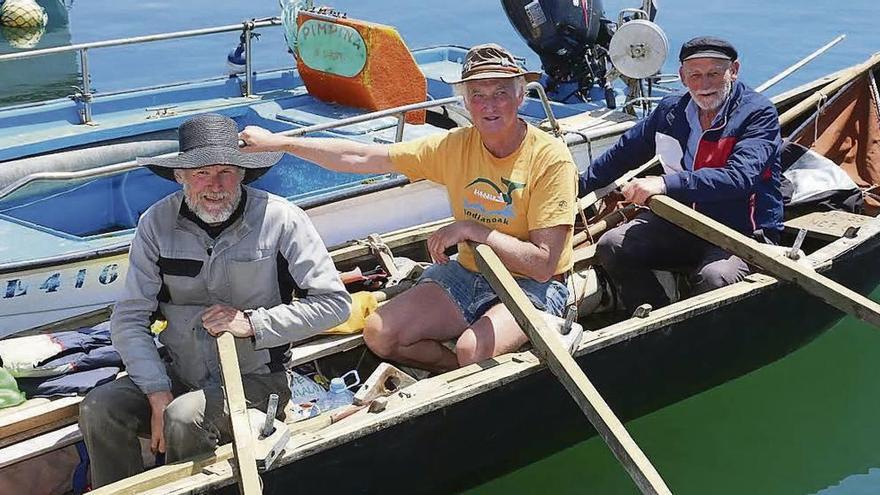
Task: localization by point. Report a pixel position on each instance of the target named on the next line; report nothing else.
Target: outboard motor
(580, 49)
(570, 37)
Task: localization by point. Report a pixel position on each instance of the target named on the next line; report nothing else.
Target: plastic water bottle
(339, 394)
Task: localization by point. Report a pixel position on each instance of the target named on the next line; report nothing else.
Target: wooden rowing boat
(452, 430)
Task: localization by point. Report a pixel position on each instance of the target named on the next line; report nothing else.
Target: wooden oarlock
(757, 254)
(549, 348)
(384, 381)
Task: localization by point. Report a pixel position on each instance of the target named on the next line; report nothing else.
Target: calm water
(805, 424)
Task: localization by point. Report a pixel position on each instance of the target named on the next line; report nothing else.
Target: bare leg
(495, 333)
(410, 328)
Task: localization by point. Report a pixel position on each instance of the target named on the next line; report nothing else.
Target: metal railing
(85, 95)
(545, 102)
(398, 112)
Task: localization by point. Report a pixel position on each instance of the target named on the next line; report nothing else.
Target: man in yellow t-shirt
(510, 186)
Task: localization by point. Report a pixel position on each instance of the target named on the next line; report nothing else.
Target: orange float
(357, 63)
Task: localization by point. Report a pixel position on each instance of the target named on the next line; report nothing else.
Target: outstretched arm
(339, 155)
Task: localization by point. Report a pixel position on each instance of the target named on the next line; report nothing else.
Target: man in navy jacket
(719, 146)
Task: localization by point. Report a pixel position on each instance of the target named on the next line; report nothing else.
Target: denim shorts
(474, 296)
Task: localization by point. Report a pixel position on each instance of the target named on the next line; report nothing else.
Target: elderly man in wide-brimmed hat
(719, 145)
(218, 256)
(510, 185)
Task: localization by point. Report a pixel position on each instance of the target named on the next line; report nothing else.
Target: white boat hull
(43, 295)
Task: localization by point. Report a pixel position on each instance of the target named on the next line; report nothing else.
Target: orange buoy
(358, 63)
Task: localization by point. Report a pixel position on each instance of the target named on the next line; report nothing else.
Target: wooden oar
(242, 436)
(550, 349)
(826, 91)
(756, 253)
(590, 198)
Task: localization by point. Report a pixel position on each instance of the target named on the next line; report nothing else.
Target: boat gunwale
(579, 139)
(449, 388)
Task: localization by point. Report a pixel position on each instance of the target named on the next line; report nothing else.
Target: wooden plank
(324, 345)
(584, 255)
(242, 438)
(825, 256)
(163, 475)
(35, 446)
(357, 249)
(550, 349)
(35, 417)
(755, 253)
(810, 102)
(433, 394)
(827, 225)
(35, 432)
(597, 119)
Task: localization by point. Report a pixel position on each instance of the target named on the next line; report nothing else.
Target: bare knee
(379, 337)
(468, 349)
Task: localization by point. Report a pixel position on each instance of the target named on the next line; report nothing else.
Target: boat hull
(467, 442)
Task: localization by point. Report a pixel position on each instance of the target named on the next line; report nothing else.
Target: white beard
(716, 102)
(209, 217)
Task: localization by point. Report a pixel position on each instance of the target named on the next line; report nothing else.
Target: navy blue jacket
(736, 172)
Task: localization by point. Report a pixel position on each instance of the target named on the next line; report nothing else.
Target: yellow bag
(363, 304)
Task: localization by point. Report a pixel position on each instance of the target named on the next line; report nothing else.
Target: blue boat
(70, 194)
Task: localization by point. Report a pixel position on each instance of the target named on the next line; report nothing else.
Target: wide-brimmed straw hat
(491, 61)
(210, 139)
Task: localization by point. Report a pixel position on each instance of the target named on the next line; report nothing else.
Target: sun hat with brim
(491, 61)
(210, 139)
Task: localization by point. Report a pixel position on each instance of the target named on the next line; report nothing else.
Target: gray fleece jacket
(270, 263)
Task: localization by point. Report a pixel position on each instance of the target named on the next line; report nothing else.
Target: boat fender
(22, 14)
(235, 60)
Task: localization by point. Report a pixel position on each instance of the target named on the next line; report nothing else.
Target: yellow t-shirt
(532, 188)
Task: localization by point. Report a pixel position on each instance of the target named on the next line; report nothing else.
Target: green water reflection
(805, 424)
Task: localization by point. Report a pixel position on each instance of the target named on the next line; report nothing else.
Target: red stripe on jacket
(713, 154)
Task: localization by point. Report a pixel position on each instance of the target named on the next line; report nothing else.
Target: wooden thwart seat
(827, 225)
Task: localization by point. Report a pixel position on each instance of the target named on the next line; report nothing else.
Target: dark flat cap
(707, 47)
